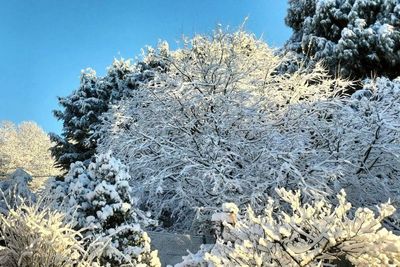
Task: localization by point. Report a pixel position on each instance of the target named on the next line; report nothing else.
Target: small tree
(355, 38)
(99, 198)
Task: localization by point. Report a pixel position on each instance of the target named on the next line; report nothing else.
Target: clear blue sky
(45, 43)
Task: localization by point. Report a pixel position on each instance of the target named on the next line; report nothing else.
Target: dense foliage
(355, 38)
(35, 236)
(25, 146)
(224, 120)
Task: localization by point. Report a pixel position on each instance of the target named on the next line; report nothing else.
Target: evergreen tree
(83, 108)
(98, 199)
(356, 38)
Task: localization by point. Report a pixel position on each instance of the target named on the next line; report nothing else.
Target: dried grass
(36, 236)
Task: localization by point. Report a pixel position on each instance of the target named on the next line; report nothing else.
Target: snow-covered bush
(98, 198)
(34, 236)
(213, 127)
(310, 234)
(354, 37)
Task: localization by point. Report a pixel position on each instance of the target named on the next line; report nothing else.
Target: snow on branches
(83, 108)
(214, 127)
(310, 234)
(26, 146)
(354, 37)
(221, 125)
(98, 198)
(33, 235)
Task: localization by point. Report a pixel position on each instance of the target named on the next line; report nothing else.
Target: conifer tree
(83, 108)
(356, 38)
(98, 199)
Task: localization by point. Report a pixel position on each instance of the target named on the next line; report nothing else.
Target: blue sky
(45, 43)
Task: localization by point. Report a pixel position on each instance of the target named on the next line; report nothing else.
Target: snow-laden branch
(310, 234)
(233, 131)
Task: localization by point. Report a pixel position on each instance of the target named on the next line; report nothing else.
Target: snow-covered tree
(99, 198)
(221, 125)
(83, 108)
(213, 127)
(310, 234)
(26, 146)
(355, 38)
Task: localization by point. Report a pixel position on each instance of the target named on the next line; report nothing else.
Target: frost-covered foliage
(26, 146)
(36, 236)
(216, 126)
(14, 191)
(196, 259)
(221, 126)
(82, 109)
(99, 198)
(352, 143)
(354, 37)
(310, 234)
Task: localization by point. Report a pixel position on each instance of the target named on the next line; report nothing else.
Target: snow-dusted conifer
(355, 38)
(81, 111)
(83, 108)
(99, 198)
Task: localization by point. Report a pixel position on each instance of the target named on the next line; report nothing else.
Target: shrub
(14, 190)
(310, 234)
(36, 236)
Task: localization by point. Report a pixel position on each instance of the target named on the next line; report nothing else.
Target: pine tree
(98, 198)
(84, 107)
(81, 110)
(355, 38)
